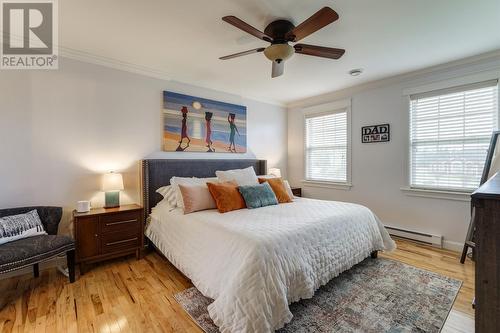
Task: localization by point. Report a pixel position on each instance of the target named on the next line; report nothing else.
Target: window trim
(326, 109)
(436, 194)
(440, 193)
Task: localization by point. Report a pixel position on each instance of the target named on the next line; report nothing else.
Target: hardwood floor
(127, 295)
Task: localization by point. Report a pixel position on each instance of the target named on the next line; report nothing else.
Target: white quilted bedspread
(254, 263)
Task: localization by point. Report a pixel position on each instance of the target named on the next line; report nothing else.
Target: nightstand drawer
(120, 222)
(117, 242)
(105, 233)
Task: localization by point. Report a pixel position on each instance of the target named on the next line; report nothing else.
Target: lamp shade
(279, 52)
(112, 182)
(275, 172)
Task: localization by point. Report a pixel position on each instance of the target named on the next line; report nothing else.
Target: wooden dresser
(486, 201)
(105, 233)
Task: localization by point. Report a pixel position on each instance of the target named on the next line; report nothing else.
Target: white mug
(83, 206)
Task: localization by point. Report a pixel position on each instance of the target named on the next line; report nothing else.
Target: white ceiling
(185, 38)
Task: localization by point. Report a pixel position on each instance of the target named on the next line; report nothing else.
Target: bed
(254, 263)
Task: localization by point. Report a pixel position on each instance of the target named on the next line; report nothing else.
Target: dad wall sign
(375, 133)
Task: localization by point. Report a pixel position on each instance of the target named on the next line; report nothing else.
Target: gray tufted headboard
(157, 173)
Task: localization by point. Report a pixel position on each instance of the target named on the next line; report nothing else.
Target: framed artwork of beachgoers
(193, 124)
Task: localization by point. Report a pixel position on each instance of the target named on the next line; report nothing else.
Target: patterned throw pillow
(258, 195)
(278, 187)
(226, 196)
(20, 226)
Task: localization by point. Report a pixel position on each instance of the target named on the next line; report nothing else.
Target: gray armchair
(34, 250)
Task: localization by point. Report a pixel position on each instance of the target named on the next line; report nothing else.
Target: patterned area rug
(377, 295)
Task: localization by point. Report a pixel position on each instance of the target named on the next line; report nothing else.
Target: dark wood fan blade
(278, 69)
(231, 56)
(233, 20)
(322, 18)
(319, 51)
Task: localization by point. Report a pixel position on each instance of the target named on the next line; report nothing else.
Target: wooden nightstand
(297, 191)
(106, 233)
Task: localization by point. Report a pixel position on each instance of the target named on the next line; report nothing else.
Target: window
(326, 147)
(450, 131)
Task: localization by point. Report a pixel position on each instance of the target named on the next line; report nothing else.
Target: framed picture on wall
(194, 124)
(376, 133)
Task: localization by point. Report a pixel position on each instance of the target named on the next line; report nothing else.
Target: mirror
(492, 163)
(491, 167)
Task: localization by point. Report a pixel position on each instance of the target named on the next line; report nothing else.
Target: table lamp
(275, 172)
(112, 184)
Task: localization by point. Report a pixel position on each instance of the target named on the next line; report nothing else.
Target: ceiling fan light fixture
(279, 52)
(281, 32)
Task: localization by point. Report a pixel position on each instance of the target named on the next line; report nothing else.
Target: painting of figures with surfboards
(193, 124)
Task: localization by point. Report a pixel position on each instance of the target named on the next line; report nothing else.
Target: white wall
(60, 130)
(379, 170)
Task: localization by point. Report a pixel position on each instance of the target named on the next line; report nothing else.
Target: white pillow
(175, 181)
(268, 176)
(168, 194)
(241, 176)
(288, 189)
(20, 226)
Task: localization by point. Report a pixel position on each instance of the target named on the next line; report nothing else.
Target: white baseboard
(454, 246)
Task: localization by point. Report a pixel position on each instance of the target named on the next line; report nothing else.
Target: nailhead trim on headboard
(145, 188)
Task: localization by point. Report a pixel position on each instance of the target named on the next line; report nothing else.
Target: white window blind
(326, 147)
(450, 131)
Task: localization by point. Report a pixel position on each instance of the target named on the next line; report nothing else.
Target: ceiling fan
(281, 32)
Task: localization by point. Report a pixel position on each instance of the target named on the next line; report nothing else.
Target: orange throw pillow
(278, 188)
(226, 196)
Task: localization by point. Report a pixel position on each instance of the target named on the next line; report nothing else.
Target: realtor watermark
(30, 30)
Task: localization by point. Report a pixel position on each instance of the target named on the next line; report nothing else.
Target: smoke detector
(356, 72)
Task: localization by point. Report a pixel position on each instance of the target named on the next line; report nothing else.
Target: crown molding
(144, 70)
(308, 101)
(90, 58)
(413, 75)
(112, 63)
